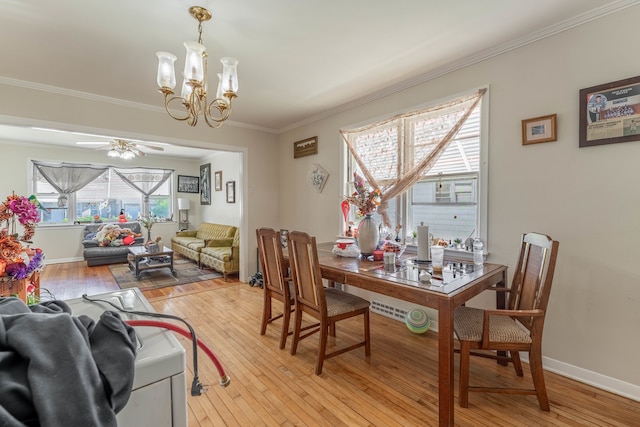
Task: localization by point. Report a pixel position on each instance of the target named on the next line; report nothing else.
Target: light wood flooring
(395, 386)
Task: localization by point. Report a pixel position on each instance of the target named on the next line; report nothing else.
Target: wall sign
(306, 147)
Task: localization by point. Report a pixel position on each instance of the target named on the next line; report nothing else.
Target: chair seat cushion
(468, 322)
(339, 302)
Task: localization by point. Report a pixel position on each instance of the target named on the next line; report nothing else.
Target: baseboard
(603, 382)
(591, 378)
(61, 260)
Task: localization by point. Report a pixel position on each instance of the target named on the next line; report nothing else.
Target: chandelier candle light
(194, 87)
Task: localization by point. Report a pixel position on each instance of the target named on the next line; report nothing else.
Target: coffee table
(140, 259)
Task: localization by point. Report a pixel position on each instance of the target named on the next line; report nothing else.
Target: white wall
(230, 164)
(586, 198)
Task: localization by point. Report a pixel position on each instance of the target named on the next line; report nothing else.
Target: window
(445, 195)
(105, 196)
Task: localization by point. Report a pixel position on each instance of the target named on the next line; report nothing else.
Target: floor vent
(388, 310)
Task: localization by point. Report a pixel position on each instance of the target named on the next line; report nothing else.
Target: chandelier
(194, 87)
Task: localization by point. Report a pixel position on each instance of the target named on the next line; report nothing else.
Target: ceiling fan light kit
(193, 96)
(122, 149)
(125, 150)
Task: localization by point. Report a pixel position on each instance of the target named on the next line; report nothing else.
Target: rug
(188, 272)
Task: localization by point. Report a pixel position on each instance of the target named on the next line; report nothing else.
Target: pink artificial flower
(25, 210)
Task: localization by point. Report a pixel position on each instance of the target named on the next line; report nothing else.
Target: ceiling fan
(122, 148)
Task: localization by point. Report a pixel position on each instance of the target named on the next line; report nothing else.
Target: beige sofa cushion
(208, 231)
(219, 243)
(222, 254)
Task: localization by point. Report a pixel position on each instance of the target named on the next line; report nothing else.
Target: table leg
(174, 272)
(332, 327)
(445, 363)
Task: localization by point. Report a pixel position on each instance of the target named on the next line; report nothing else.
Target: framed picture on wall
(205, 184)
(188, 184)
(539, 129)
(610, 113)
(218, 180)
(231, 191)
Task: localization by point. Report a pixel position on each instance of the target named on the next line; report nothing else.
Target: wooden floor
(395, 386)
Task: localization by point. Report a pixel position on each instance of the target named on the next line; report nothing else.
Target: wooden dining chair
(516, 328)
(276, 284)
(328, 305)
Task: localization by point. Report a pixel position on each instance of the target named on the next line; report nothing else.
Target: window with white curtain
(445, 196)
(103, 198)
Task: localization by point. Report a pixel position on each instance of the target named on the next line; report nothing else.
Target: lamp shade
(229, 74)
(184, 204)
(194, 66)
(166, 70)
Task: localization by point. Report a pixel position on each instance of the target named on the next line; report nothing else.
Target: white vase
(368, 235)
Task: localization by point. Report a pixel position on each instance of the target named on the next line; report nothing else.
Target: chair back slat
(272, 260)
(305, 270)
(534, 274)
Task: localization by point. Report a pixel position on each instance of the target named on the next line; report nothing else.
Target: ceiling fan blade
(93, 142)
(151, 147)
(137, 152)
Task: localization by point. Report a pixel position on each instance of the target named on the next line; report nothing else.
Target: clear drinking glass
(437, 258)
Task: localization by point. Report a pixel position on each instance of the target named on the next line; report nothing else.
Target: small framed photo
(188, 184)
(539, 129)
(231, 191)
(218, 180)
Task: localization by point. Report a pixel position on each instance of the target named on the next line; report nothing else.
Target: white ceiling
(299, 59)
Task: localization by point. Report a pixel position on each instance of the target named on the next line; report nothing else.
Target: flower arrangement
(365, 200)
(16, 261)
(147, 222)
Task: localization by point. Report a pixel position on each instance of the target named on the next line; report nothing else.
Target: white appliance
(159, 394)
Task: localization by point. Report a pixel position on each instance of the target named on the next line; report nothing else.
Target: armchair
(517, 328)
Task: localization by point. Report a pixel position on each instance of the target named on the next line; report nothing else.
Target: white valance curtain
(144, 180)
(67, 178)
(442, 124)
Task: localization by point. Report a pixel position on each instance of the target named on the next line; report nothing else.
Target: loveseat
(97, 252)
(212, 245)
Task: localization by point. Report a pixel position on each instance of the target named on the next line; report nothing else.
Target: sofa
(97, 252)
(211, 245)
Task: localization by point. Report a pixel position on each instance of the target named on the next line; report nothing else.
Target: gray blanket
(61, 370)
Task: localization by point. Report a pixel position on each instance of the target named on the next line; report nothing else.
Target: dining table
(459, 281)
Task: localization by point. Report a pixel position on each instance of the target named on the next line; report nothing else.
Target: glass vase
(368, 235)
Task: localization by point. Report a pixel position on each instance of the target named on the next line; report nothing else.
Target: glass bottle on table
(478, 251)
